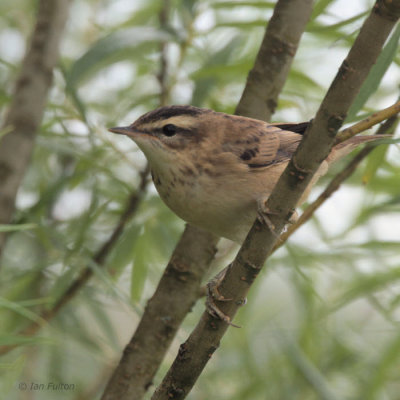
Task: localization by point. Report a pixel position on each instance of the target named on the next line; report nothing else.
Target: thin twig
(369, 122)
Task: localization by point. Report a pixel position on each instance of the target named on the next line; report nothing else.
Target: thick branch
(26, 110)
(174, 297)
(162, 76)
(266, 79)
(204, 340)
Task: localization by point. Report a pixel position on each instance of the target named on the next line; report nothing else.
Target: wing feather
(268, 146)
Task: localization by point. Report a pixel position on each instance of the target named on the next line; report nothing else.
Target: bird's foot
(263, 213)
(214, 295)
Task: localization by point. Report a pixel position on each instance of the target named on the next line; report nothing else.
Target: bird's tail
(342, 149)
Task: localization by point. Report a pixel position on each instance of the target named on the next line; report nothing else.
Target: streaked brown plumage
(213, 169)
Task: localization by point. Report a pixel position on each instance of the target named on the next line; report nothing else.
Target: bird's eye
(169, 130)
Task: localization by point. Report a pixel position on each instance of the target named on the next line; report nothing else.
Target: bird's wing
(296, 127)
(268, 146)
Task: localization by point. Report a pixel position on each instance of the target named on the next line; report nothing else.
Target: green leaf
(242, 25)
(320, 7)
(221, 71)
(386, 366)
(142, 261)
(100, 314)
(376, 74)
(124, 250)
(144, 15)
(205, 83)
(11, 340)
(19, 309)
(233, 4)
(116, 46)
(311, 373)
(374, 161)
(5, 131)
(365, 285)
(298, 78)
(16, 228)
(317, 28)
(10, 371)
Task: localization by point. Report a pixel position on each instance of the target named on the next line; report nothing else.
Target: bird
(216, 170)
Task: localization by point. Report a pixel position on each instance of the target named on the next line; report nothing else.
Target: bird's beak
(124, 130)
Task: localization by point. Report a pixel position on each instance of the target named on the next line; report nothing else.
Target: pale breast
(224, 204)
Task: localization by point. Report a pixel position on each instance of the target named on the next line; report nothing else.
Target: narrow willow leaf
(242, 25)
(144, 15)
(17, 308)
(374, 162)
(366, 213)
(365, 285)
(16, 228)
(100, 314)
(204, 85)
(376, 74)
(111, 47)
(298, 77)
(5, 131)
(233, 4)
(317, 28)
(221, 71)
(143, 258)
(79, 329)
(320, 7)
(311, 373)
(378, 245)
(124, 250)
(380, 374)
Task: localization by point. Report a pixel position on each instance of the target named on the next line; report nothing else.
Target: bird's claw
(214, 295)
(263, 213)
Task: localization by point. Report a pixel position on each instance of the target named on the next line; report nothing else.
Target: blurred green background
(323, 323)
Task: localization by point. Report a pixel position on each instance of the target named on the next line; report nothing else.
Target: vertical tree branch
(163, 18)
(272, 65)
(27, 107)
(174, 297)
(318, 140)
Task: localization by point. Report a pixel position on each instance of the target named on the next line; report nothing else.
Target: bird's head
(168, 132)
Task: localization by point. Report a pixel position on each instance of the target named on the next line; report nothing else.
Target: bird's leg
(212, 286)
(214, 295)
(263, 213)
